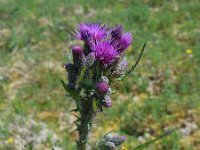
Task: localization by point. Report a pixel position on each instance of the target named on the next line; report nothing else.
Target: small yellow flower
(188, 51)
(124, 148)
(10, 140)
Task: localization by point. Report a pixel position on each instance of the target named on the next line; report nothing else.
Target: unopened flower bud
(102, 87)
(72, 72)
(108, 136)
(77, 50)
(107, 102)
(109, 146)
(117, 140)
(89, 59)
(104, 79)
(77, 53)
(120, 70)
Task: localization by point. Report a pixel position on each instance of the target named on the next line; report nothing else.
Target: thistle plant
(96, 64)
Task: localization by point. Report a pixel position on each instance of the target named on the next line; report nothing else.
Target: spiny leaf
(75, 110)
(71, 92)
(64, 85)
(146, 144)
(136, 63)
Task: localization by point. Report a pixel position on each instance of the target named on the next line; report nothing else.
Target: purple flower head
(89, 32)
(116, 33)
(102, 87)
(77, 50)
(124, 42)
(104, 52)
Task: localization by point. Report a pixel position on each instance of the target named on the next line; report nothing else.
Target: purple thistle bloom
(89, 32)
(102, 87)
(104, 52)
(124, 42)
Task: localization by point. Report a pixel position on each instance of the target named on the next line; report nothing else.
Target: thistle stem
(84, 126)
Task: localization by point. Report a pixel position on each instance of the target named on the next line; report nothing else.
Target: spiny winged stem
(85, 124)
(87, 113)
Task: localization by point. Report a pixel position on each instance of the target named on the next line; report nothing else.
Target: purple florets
(91, 32)
(104, 53)
(124, 42)
(107, 45)
(120, 40)
(116, 34)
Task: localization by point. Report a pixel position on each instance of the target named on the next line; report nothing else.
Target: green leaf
(70, 91)
(146, 144)
(82, 74)
(64, 85)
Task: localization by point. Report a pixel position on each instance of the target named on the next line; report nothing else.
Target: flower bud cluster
(104, 91)
(99, 60)
(110, 142)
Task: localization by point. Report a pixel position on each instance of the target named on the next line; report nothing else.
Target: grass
(162, 93)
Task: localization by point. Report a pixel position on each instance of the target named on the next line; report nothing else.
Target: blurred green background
(161, 94)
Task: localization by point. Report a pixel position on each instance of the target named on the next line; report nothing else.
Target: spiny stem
(84, 126)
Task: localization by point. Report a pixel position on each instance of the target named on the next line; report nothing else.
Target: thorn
(76, 121)
(74, 110)
(78, 117)
(75, 130)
